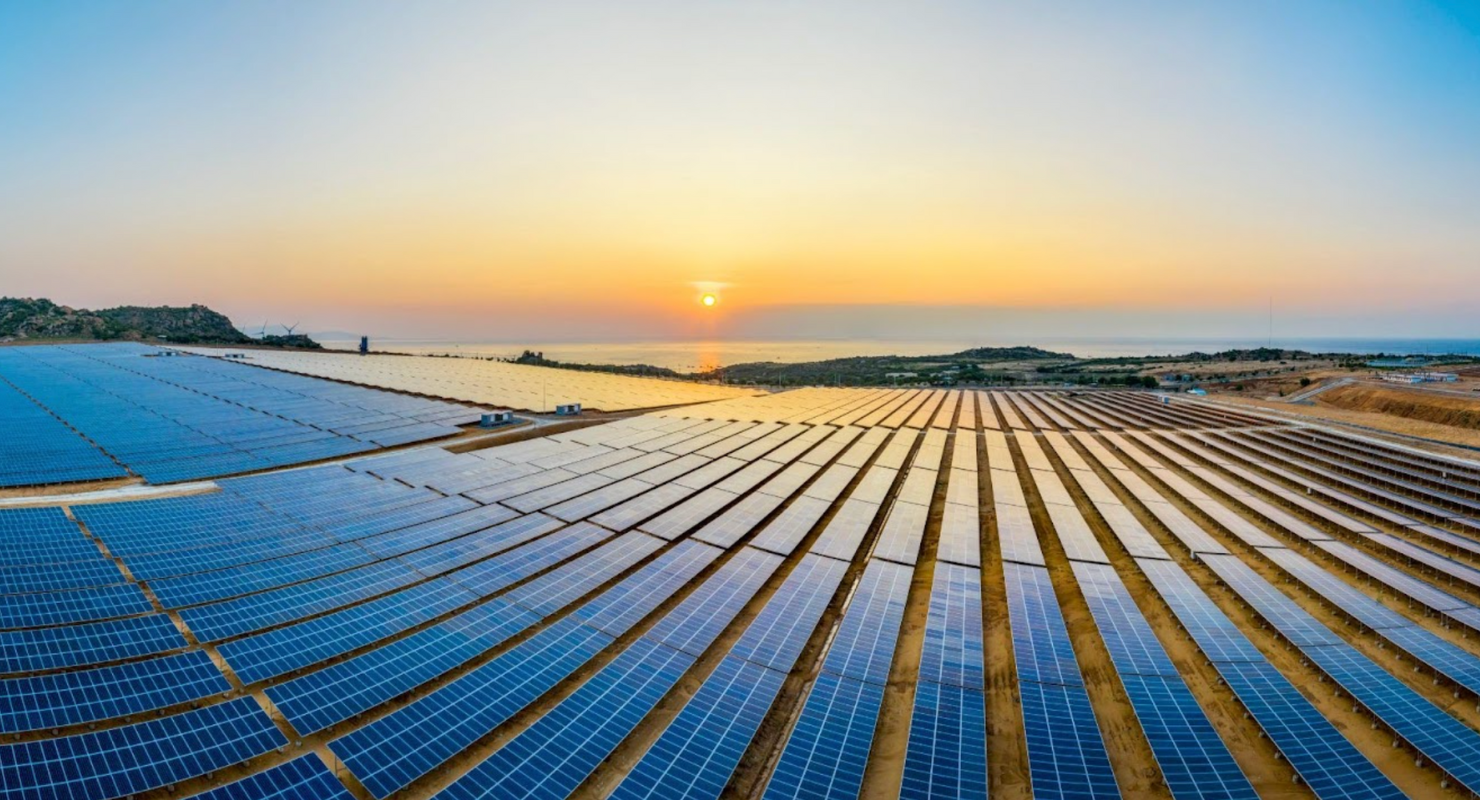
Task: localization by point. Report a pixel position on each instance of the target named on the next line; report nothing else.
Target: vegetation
(27, 319)
(537, 359)
(980, 366)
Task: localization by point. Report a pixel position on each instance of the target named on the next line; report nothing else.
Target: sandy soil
(1370, 419)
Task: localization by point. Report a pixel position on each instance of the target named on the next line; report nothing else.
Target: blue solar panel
(172, 419)
(263, 610)
(450, 555)
(81, 574)
(394, 750)
(42, 536)
(1217, 636)
(863, 647)
(139, 757)
(953, 651)
(336, 693)
(1132, 644)
(947, 752)
(619, 608)
(280, 651)
(1194, 761)
(89, 643)
(435, 531)
(828, 748)
(1448, 743)
(782, 534)
(776, 636)
(699, 751)
(1272, 604)
(1066, 754)
(559, 751)
(563, 585)
(502, 571)
(70, 698)
(71, 606)
(303, 778)
(1325, 760)
(1040, 640)
(701, 617)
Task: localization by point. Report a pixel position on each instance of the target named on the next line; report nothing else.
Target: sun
(708, 300)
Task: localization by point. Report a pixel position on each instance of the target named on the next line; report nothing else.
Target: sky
(586, 171)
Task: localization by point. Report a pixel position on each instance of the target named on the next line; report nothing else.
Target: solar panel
(454, 553)
(1282, 612)
(303, 778)
(320, 699)
(282, 650)
(827, 750)
(139, 757)
(1016, 537)
(701, 617)
(507, 568)
(863, 647)
(776, 636)
(60, 699)
(903, 529)
(843, 534)
(687, 515)
(179, 419)
(960, 534)
(1217, 636)
(622, 606)
(1324, 759)
(1450, 744)
(782, 534)
(394, 750)
(953, 650)
(560, 750)
(38, 649)
(700, 749)
(736, 522)
(1040, 639)
(1194, 761)
(947, 751)
(559, 587)
(1066, 753)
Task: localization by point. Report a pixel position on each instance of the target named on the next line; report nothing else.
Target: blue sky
(576, 170)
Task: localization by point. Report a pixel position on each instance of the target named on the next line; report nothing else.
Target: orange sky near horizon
(354, 164)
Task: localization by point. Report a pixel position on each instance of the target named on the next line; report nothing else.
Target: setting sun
(708, 300)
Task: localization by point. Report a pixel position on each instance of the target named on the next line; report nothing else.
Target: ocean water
(694, 356)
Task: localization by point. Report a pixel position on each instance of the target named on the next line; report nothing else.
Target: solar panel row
(175, 419)
(341, 589)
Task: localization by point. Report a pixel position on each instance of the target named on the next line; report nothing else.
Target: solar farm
(819, 593)
(75, 413)
(483, 382)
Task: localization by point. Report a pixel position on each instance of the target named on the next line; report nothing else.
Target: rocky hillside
(40, 319)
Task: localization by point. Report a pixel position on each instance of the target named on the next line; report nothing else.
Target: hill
(39, 319)
(979, 365)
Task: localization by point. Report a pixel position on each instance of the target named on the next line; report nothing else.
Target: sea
(698, 356)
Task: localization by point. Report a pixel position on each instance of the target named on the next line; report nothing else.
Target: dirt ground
(1370, 419)
(1424, 405)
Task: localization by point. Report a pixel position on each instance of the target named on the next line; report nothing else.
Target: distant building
(1420, 377)
(364, 345)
